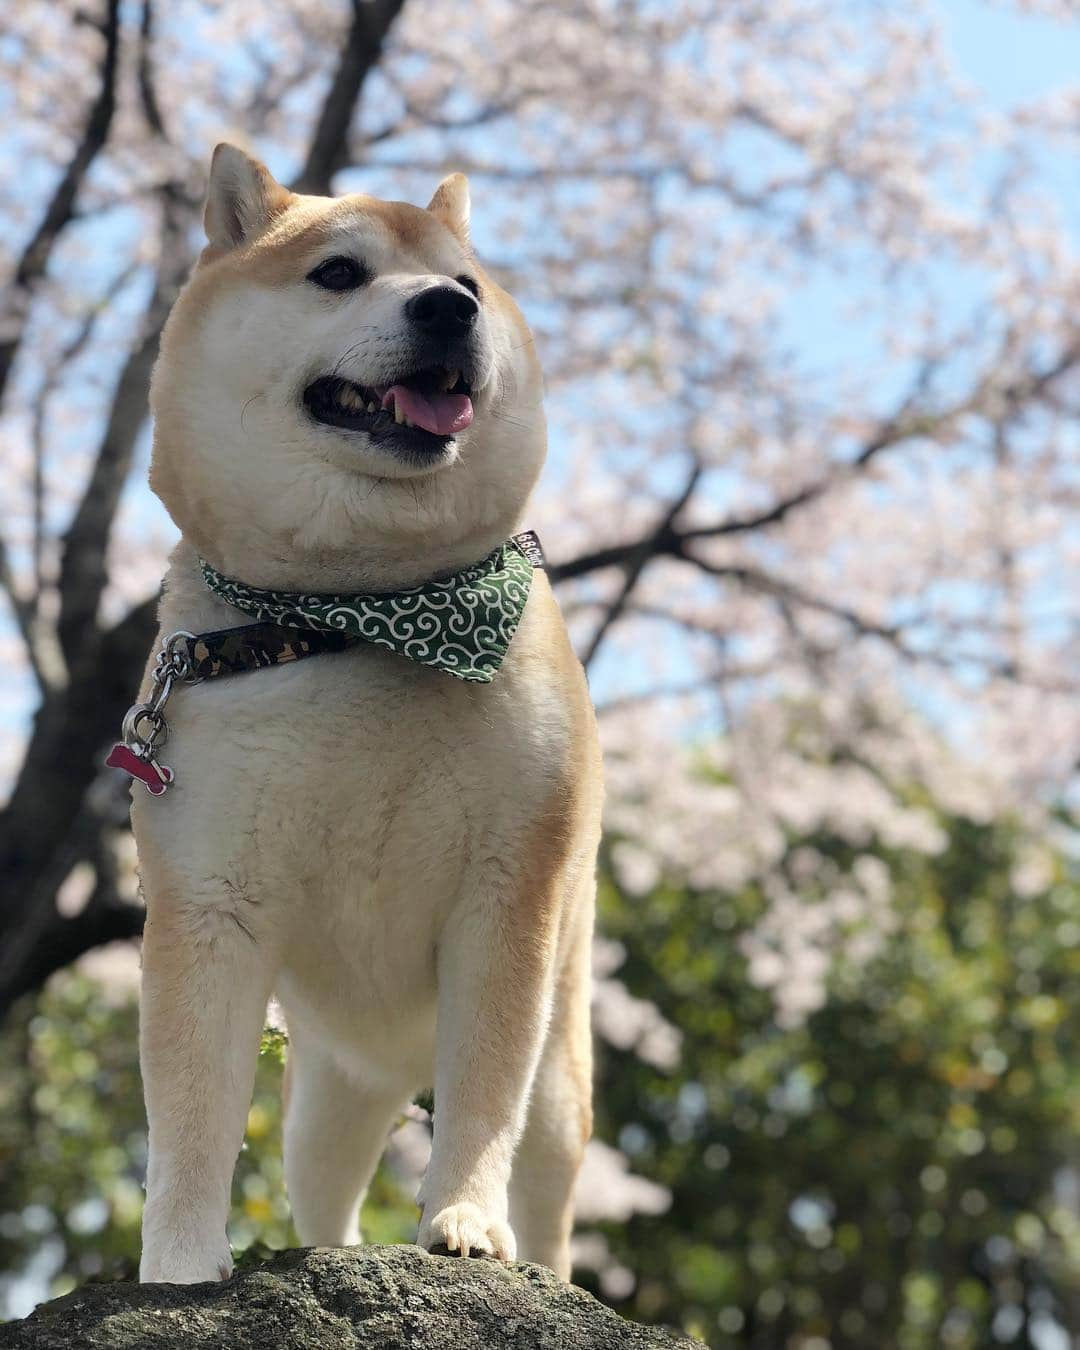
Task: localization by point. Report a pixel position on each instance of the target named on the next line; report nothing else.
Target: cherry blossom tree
(807, 310)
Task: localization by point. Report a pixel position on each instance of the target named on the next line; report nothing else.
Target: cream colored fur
(405, 859)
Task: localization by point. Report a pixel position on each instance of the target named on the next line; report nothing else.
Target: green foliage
(885, 1175)
(72, 1136)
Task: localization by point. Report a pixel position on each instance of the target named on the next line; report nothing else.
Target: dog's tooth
(399, 416)
(405, 422)
(452, 377)
(373, 407)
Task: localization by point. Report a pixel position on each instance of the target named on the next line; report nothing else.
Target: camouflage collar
(462, 624)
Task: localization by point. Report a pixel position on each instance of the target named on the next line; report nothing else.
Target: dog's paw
(466, 1230)
(177, 1264)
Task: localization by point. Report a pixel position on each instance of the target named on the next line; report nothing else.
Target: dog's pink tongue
(441, 414)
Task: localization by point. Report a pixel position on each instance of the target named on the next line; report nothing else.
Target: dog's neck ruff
(462, 624)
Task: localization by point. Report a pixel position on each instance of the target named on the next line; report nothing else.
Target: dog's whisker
(246, 406)
(511, 421)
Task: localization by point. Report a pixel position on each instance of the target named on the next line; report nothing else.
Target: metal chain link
(145, 729)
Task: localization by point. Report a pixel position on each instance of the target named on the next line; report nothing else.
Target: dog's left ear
(451, 205)
(242, 198)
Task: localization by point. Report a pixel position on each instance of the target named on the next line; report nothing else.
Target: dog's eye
(340, 274)
(469, 284)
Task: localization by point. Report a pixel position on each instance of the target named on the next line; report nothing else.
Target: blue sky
(1011, 56)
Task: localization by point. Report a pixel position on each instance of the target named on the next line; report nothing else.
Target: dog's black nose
(442, 311)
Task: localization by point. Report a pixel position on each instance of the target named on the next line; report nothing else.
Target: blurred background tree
(803, 280)
(899, 1170)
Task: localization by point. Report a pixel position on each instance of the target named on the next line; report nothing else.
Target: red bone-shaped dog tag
(155, 777)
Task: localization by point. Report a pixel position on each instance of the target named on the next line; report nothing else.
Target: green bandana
(462, 624)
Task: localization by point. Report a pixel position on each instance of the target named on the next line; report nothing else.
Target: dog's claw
(465, 1230)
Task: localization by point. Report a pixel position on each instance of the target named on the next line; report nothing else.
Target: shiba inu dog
(345, 402)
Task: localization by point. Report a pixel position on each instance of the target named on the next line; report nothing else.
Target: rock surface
(370, 1298)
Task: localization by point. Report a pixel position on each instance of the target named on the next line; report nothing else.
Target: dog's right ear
(242, 199)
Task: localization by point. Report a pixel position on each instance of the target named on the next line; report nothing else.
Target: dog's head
(343, 395)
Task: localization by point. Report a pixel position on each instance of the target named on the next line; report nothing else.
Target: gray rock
(370, 1298)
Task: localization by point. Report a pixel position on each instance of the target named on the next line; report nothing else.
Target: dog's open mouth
(420, 411)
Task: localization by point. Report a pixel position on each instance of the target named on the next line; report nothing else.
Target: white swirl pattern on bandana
(462, 624)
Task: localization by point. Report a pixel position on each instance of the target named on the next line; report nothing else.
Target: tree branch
(61, 941)
(634, 566)
(39, 837)
(908, 424)
(83, 573)
(35, 256)
(23, 612)
(328, 149)
(755, 578)
(146, 74)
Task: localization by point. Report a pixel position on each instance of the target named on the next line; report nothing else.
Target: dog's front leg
(206, 981)
(494, 971)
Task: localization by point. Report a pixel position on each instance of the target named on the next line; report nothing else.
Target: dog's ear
(451, 205)
(243, 197)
